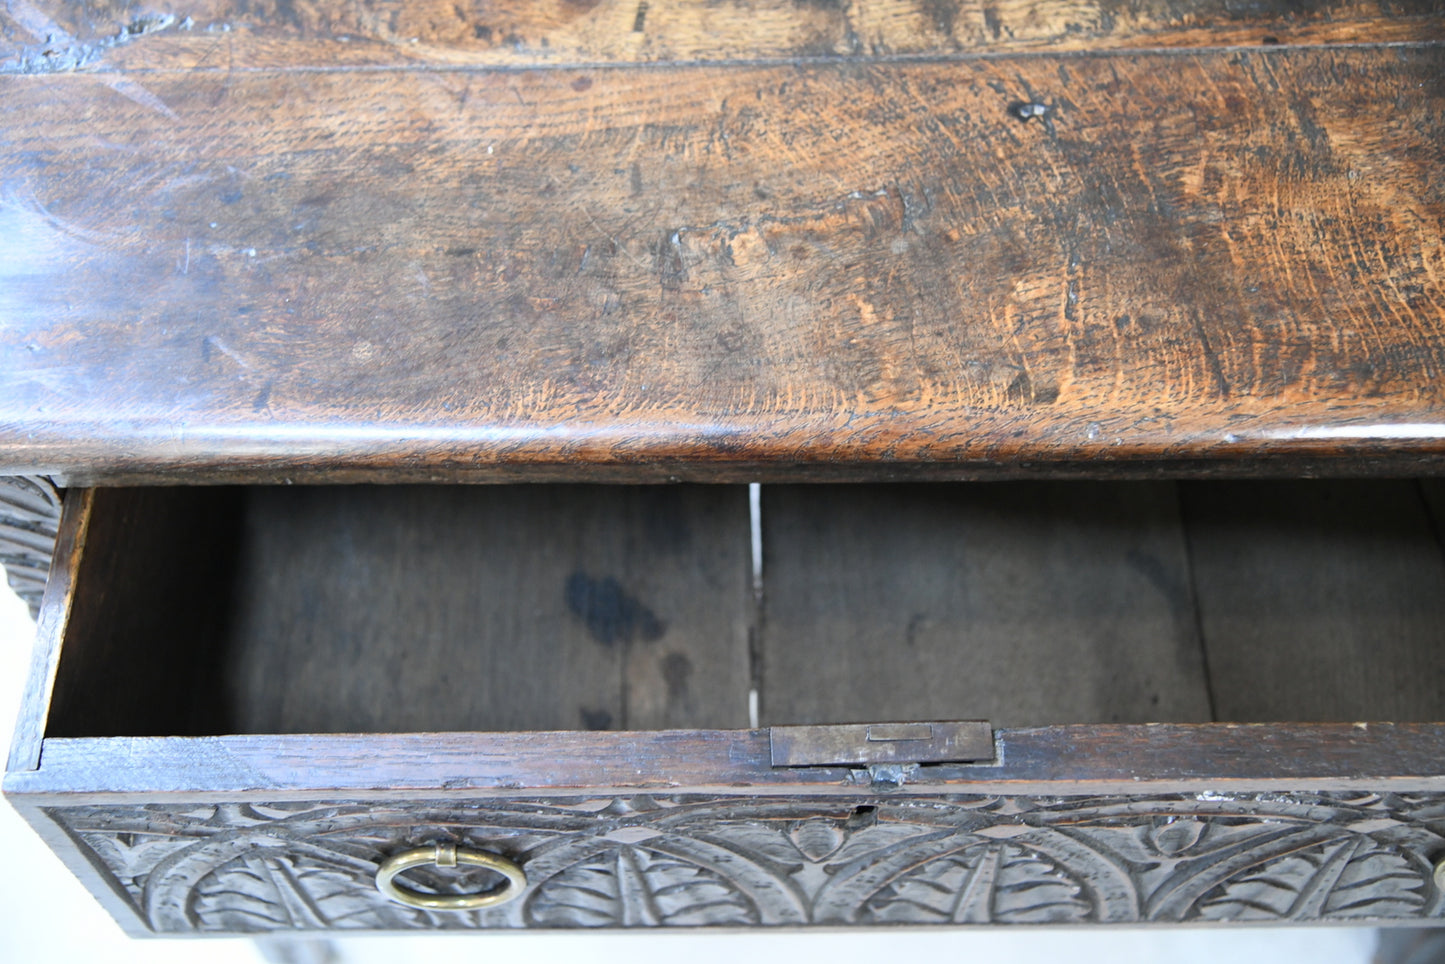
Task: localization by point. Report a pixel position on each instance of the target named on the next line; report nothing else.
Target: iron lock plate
(864, 744)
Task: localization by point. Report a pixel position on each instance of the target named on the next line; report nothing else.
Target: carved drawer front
(689, 861)
(699, 706)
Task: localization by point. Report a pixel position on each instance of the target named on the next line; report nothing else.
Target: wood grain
(1319, 601)
(52, 625)
(1198, 258)
(1020, 604)
(395, 609)
(507, 608)
(1164, 758)
(149, 598)
(44, 36)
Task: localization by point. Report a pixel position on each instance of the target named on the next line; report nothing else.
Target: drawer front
(660, 861)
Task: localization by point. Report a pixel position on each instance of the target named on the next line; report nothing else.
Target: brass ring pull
(447, 855)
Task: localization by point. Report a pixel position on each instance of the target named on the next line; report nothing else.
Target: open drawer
(1209, 701)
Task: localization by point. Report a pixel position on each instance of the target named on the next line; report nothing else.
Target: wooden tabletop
(720, 239)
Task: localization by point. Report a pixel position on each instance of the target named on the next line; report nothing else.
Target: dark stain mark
(231, 197)
(263, 399)
(671, 266)
(1027, 110)
(1309, 126)
(941, 13)
(676, 671)
(595, 719)
(1270, 41)
(732, 339)
(910, 634)
(838, 5)
(482, 32)
(636, 178)
(1175, 593)
(1023, 391)
(460, 252)
(148, 24)
(581, 84)
(992, 22)
(1211, 357)
(611, 614)
(641, 18)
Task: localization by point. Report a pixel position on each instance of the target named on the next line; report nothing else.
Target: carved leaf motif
(131, 856)
(738, 861)
(637, 887)
(29, 516)
(996, 882)
(1173, 837)
(263, 892)
(817, 839)
(1354, 878)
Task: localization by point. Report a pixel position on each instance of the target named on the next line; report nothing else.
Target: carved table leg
(29, 515)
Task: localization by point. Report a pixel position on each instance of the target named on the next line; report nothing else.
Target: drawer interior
(204, 611)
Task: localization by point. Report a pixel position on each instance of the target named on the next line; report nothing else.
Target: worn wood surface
(403, 609)
(527, 607)
(52, 626)
(1103, 758)
(43, 36)
(148, 602)
(1203, 256)
(1319, 600)
(396, 609)
(1020, 604)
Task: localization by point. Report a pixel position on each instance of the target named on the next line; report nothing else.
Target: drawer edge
(1079, 759)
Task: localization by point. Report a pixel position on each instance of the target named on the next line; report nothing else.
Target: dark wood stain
(1319, 600)
(1174, 265)
(47, 36)
(373, 609)
(376, 609)
(1019, 604)
(391, 609)
(706, 240)
(611, 615)
(124, 606)
(1100, 759)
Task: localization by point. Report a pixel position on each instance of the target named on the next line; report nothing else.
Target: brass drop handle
(447, 855)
